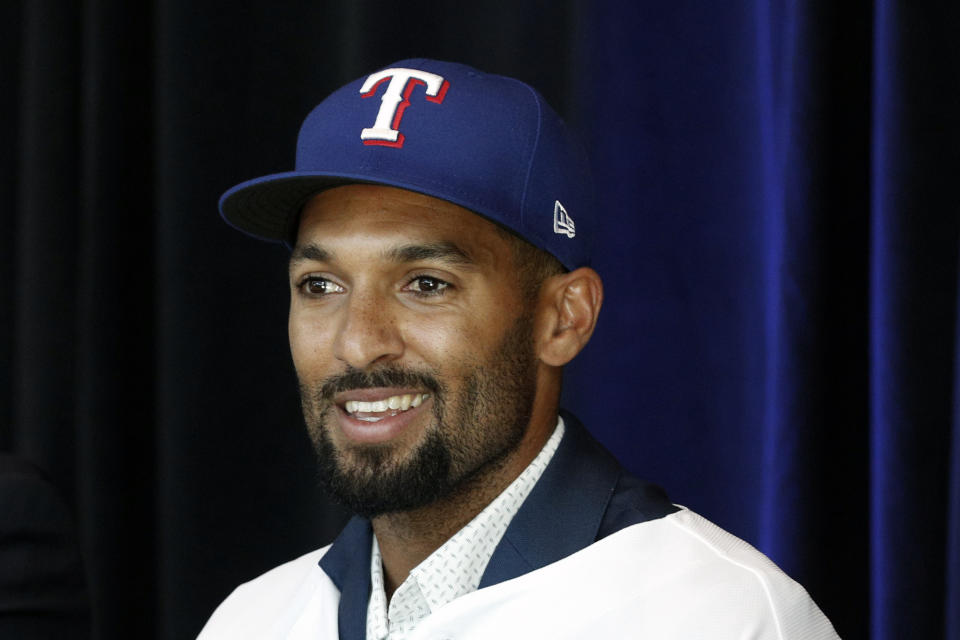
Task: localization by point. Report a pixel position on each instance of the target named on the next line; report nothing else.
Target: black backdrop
(779, 347)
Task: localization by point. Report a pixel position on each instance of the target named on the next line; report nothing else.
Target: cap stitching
(533, 153)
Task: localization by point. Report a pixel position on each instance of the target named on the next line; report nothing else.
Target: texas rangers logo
(386, 129)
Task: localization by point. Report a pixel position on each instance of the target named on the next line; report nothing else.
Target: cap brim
(267, 207)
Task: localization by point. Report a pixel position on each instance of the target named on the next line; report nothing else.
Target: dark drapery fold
(115, 410)
(780, 246)
(9, 167)
(952, 551)
(913, 289)
(45, 249)
(814, 86)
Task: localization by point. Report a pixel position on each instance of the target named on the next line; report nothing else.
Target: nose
(367, 333)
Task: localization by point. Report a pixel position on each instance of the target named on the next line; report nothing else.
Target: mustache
(353, 379)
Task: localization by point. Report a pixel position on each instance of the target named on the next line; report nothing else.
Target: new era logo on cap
(562, 222)
(385, 131)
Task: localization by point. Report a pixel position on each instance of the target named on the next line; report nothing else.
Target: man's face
(412, 344)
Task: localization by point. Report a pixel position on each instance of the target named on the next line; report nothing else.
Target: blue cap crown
(485, 142)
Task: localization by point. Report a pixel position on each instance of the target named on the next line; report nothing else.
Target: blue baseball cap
(488, 143)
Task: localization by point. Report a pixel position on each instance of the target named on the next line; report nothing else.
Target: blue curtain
(780, 245)
(780, 251)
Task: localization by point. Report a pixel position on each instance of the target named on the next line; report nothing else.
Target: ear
(567, 314)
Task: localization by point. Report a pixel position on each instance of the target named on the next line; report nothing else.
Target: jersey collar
(570, 497)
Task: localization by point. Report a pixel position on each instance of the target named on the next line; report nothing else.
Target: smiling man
(440, 222)
(424, 396)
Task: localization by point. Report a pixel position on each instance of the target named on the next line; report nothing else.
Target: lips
(378, 415)
(376, 410)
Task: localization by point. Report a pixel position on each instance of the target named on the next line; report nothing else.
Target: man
(440, 223)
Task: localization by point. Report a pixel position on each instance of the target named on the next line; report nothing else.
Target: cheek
(431, 335)
(307, 344)
(450, 341)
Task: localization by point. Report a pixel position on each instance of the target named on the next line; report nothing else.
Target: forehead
(358, 215)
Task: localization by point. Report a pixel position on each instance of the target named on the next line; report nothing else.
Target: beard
(473, 429)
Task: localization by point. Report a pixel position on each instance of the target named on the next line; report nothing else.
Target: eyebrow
(440, 251)
(304, 252)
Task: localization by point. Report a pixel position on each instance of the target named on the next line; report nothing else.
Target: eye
(317, 287)
(425, 286)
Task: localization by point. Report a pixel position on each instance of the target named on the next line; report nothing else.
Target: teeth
(393, 403)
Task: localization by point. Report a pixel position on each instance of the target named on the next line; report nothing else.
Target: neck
(407, 538)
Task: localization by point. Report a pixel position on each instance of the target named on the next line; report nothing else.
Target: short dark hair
(534, 265)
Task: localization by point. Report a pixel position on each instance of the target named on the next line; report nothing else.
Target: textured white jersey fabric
(679, 577)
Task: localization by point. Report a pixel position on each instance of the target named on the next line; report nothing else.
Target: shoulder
(682, 576)
(26, 491)
(276, 603)
(673, 577)
(42, 587)
(719, 577)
